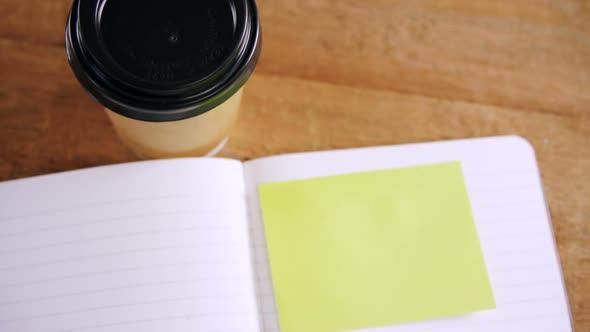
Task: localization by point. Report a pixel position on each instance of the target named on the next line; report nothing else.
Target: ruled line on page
(130, 269)
(84, 241)
(48, 212)
(128, 286)
(171, 300)
(218, 246)
(164, 318)
(472, 326)
(87, 223)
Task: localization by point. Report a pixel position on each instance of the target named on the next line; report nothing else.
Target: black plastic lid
(156, 60)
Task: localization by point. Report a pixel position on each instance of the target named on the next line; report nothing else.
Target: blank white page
(510, 213)
(151, 246)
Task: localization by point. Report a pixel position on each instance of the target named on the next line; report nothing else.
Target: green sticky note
(373, 249)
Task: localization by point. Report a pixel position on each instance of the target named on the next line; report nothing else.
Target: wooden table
(349, 73)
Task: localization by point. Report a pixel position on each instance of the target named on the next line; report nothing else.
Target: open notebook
(178, 245)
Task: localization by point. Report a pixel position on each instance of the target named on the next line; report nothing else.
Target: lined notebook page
(510, 213)
(150, 246)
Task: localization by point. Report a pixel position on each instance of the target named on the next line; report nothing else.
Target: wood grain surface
(349, 73)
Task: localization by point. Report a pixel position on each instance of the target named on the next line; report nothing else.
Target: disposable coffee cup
(170, 74)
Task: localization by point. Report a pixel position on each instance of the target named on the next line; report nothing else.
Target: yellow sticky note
(373, 249)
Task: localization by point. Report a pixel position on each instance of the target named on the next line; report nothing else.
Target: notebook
(179, 244)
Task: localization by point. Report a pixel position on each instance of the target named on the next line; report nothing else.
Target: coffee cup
(170, 74)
